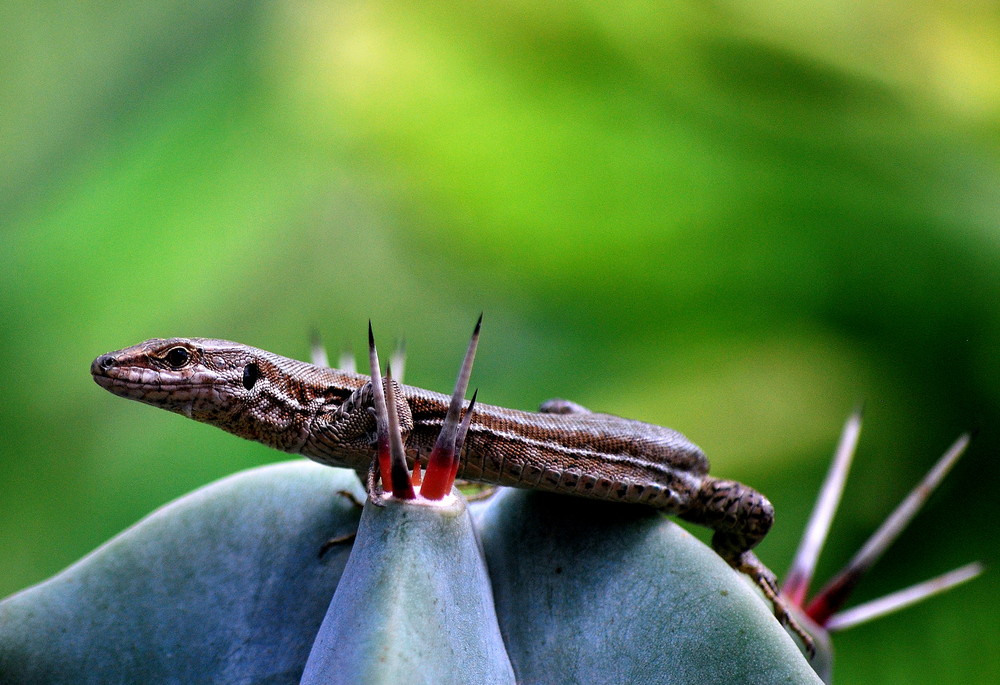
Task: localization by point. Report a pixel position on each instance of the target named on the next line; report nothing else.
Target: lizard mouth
(182, 396)
(145, 385)
(110, 382)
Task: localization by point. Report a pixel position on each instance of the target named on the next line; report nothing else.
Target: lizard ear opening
(251, 372)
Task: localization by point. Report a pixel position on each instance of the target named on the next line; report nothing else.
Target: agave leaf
(602, 593)
(414, 604)
(224, 585)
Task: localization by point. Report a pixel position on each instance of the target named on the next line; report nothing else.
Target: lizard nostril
(105, 362)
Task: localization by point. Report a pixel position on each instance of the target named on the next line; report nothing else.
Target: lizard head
(196, 377)
(238, 388)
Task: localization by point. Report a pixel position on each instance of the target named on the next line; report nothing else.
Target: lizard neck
(286, 403)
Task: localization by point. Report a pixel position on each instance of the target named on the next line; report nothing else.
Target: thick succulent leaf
(414, 604)
(224, 585)
(602, 593)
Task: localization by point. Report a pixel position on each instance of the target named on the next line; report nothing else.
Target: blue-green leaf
(224, 585)
(227, 585)
(598, 592)
(414, 604)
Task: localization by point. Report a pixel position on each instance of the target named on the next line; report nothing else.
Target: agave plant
(272, 576)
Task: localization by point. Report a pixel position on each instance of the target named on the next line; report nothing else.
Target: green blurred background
(735, 220)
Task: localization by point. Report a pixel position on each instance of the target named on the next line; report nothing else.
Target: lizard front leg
(345, 435)
(741, 517)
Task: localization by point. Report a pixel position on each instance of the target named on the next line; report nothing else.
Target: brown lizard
(324, 414)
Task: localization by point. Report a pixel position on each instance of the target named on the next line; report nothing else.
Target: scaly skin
(324, 414)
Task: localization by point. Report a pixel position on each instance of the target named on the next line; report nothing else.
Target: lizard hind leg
(741, 517)
(558, 405)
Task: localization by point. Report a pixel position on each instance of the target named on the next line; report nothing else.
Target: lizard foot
(350, 497)
(336, 540)
(749, 564)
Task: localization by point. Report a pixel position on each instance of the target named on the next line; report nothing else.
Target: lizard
(326, 414)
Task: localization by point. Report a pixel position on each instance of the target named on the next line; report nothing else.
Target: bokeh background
(736, 219)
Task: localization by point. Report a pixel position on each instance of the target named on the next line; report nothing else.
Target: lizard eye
(178, 357)
(251, 372)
